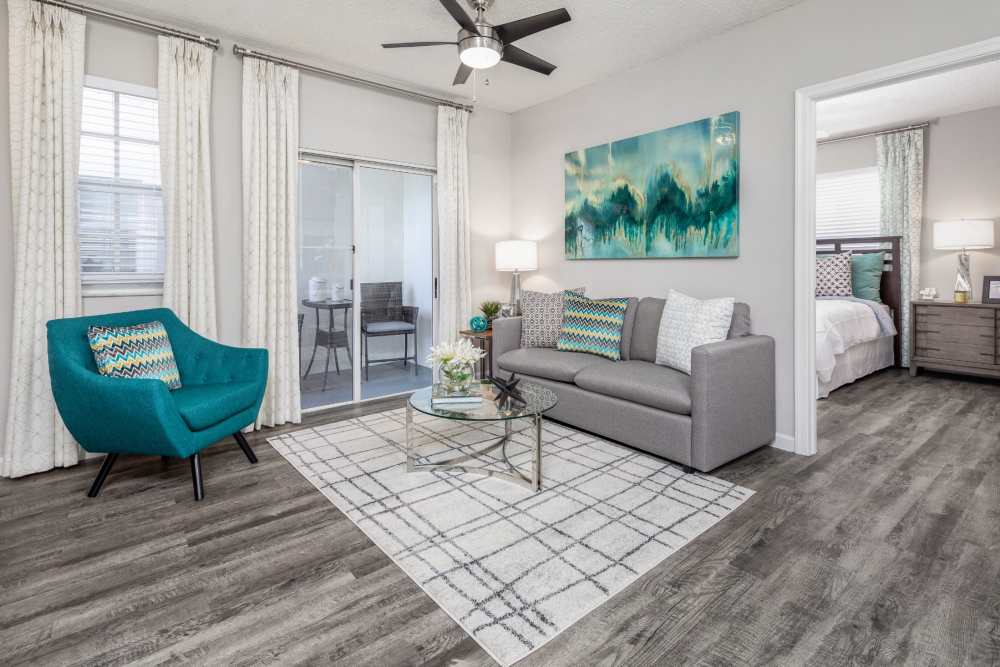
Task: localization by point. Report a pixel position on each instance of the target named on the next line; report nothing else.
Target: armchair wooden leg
(406, 348)
(102, 475)
(241, 440)
(199, 486)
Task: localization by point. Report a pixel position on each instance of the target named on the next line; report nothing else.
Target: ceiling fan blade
(515, 30)
(522, 58)
(459, 15)
(404, 45)
(462, 75)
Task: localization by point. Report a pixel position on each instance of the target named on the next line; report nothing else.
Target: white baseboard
(784, 442)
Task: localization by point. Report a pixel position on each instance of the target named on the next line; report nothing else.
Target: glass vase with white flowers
(456, 360)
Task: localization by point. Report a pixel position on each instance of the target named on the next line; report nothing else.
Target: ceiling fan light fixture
(480, 51)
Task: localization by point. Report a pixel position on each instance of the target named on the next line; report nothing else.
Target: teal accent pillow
(866, 275)
(138, 351)
(592, 325)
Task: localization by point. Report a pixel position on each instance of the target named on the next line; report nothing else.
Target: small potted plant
(491, 309)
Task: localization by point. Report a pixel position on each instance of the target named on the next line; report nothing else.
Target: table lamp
(963, 235)
(516, 256)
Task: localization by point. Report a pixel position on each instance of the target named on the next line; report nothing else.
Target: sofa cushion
(541, 317)
(135, 351)
(640, 382)
(204, 405)
(593, 326)
(548, 363)
(689, 323)
(646, 327)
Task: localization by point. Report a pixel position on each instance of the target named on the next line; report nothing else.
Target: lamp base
(515, 293)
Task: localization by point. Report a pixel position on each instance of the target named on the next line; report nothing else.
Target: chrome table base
(532, 481)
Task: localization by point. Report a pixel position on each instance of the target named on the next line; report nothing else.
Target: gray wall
(334, 117)
(961, 180)
(754, 69)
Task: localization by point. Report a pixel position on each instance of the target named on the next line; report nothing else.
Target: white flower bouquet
(457, 361)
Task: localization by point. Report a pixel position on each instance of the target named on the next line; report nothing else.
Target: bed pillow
(687, 323)
(833, 275)
(138, 351)
(541, 317)
(866, 275)
(593, 326)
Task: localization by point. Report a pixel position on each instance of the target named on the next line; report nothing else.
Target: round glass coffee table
(537, 401)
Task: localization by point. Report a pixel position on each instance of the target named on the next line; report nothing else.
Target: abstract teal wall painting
(666, 194)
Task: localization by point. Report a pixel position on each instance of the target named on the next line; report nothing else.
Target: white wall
(334, 117)
(961, 177)
(754, 69)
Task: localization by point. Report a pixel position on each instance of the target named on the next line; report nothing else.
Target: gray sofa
(723, 410)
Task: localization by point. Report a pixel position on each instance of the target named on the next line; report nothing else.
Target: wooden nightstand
(955, 337)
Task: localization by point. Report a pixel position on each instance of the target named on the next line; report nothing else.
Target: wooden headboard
(891, 289)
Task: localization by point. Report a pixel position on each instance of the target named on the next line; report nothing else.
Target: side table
(484, 341)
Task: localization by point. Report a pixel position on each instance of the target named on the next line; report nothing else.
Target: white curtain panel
(270, 230)
(901, 185)
(185, 96)
(46, 93)
(454, 264)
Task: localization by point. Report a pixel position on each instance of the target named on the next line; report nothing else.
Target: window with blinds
(847, 203)
(121, 205)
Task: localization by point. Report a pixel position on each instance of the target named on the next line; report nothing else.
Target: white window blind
(847, 203)
(121, 205)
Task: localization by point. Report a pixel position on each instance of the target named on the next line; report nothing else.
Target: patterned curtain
(454, 264)
(185, 94)
(46, 103)
(901, 183)
(270, 231)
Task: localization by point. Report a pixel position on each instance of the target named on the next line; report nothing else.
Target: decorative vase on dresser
(955, 337)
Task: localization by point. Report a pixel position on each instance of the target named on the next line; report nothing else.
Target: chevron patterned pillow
(592, 325)
(138, 351)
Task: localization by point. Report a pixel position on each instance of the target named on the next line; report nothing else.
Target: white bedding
(840, 325)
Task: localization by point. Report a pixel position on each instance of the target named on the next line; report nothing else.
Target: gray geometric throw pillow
(541, 317)
(833, 274)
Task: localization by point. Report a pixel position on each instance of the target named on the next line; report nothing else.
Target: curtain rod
(893, 130)
(340, 76)
(132, 21)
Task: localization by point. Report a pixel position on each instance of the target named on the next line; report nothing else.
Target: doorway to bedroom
(900, 259)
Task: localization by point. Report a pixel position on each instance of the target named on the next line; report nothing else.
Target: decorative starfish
(508, 389)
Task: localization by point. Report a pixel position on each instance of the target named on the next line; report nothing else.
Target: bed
(855, 337)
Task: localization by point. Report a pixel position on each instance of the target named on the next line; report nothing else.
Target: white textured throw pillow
(687, 323)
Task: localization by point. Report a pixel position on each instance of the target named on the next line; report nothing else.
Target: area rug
(514, 568)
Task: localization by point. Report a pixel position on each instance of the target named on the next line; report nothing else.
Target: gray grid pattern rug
(512, 567)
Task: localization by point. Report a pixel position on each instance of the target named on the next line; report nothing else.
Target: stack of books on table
(452, 400)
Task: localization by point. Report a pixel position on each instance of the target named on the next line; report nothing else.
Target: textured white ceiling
(925, 98)
(604, 37)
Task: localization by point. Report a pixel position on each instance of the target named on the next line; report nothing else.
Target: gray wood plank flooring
(885, 547)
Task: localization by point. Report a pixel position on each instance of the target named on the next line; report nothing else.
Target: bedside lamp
(516, 256)
(963, 235)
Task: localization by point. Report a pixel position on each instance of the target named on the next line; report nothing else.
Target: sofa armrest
(732, 399)
(506, 337)
(205, 361)
(109, 414)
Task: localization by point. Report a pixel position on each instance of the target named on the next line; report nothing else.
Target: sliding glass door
(366, 279)
(395, 210)
(326, 272)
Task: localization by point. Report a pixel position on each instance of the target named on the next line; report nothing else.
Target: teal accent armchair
(221, 394)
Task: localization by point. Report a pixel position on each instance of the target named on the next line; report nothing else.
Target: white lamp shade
(967, 234)
(517, 256)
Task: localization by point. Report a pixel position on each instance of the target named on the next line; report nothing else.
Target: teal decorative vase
(479, 323)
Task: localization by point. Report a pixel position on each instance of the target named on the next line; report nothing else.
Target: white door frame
(805, 207)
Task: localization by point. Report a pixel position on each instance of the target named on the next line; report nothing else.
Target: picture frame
(991, 289)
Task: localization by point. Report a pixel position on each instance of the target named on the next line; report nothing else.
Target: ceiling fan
(482, 45)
